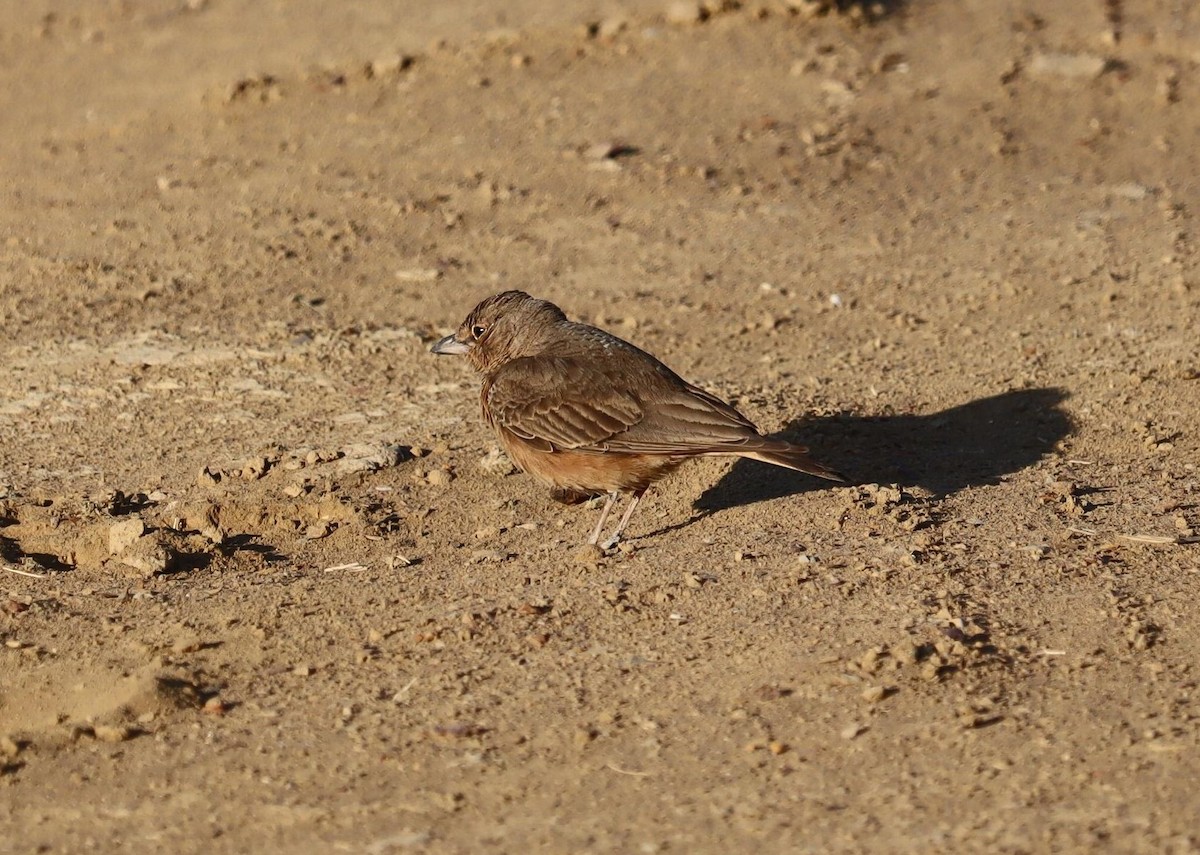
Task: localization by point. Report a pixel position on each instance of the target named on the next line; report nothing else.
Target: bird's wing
(684, 419)
(559, 403)
(582, 405)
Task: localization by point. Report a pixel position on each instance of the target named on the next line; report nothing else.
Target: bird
(587, 413)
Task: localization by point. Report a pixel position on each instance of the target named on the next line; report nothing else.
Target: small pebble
(316, 531)
(391, 64)
(496, 462)
(852, 731)
(255, 468)
(371, 457)
(108, 733)
(685, 12)
(905, 653)
(611, 27)
(187, 644)
(874, 694)
(9, 747)
(1068, 66)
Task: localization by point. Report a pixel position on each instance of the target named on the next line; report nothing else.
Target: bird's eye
(478, 330)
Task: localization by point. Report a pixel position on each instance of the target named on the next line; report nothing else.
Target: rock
(852, 731)
(113, 733)
(390, 64)
(874, 694)
(255, 468)
(318, 530)
(418, 274)
(207, 477)
(1036, 551)
(601, 151)
(611, 27)
(371, 457)
(149, 557)
(187, 644)
(1068, 66)
(685, 12)
(890, 61)
(205, 519)
(440, 477)
(9, 747)
(809, 8)
(905, 653)
(123, 534)
(496, 462)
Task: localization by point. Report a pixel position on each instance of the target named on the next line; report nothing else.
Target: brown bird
(586, 412)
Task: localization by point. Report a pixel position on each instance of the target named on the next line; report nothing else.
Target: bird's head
(504, 327)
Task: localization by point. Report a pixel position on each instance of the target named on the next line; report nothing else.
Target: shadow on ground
(969, 445)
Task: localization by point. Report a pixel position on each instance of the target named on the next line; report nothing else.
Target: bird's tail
(792, 457)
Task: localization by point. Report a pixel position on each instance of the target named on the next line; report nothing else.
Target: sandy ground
(268, 586)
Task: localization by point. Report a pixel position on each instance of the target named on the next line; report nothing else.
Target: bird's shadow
(969, 445)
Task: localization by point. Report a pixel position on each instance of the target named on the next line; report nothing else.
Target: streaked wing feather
(689, 421)
(564, 402)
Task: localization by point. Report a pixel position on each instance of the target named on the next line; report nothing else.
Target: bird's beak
(449, 345)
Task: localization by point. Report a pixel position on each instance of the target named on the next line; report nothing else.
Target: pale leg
(616, 535)
(612, 498)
